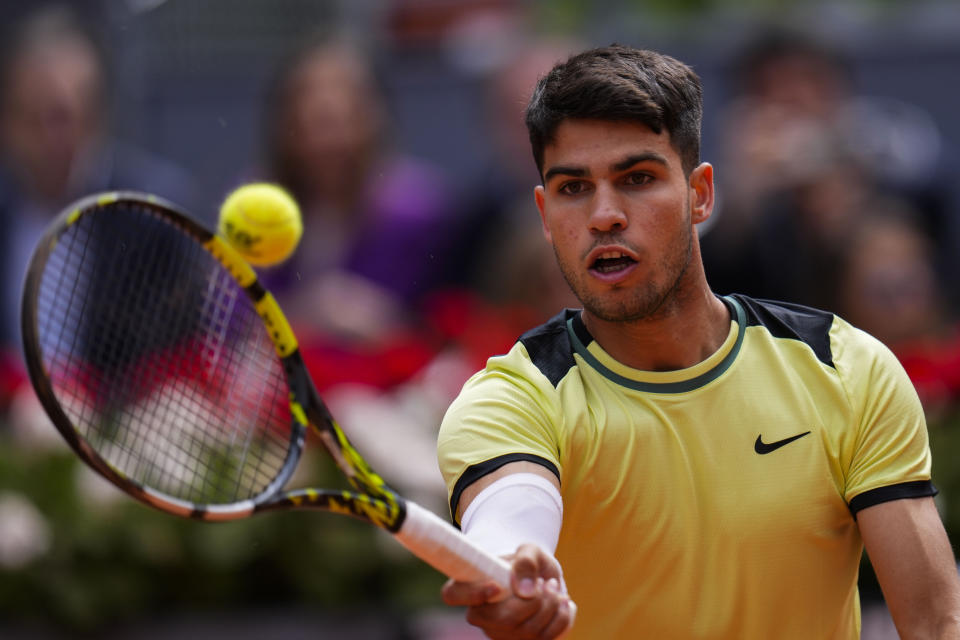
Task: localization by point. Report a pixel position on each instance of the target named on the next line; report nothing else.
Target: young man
(718, 464)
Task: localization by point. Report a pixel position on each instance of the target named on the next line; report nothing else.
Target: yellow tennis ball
(262, 222)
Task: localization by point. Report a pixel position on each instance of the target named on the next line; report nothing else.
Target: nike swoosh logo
(762, 447)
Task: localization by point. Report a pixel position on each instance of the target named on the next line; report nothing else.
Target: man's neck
(680, 336)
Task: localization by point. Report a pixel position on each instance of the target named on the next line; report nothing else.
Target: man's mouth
(612, 261)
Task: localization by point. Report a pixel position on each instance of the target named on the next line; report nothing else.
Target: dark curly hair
(619, 83)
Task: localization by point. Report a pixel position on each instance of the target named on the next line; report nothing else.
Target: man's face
(51, 111)
(616, 206)
(333, 121)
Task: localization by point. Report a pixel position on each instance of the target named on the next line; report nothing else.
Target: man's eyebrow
(629, 161)
(626, 163)
(575, 172)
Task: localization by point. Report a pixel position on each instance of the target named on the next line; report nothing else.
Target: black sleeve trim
(477, 471)
(915, 489)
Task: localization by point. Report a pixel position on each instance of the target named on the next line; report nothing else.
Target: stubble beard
(648, 301)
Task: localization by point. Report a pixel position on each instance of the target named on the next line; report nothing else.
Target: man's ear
(538, 197)
(702, 193)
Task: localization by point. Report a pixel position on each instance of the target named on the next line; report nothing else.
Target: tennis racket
(171, 371)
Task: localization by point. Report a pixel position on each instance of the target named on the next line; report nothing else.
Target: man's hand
(535, 608)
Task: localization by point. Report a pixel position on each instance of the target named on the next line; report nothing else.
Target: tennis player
(681, 464)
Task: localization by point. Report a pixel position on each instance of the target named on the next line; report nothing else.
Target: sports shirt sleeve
(507, 412)
(889, 457)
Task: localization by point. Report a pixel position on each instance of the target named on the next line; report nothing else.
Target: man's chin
(632, 310)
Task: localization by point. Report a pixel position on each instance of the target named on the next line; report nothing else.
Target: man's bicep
(503, 416)
(914, 563)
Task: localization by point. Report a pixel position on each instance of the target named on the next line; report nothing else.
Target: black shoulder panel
(793, 322)
(549, 347)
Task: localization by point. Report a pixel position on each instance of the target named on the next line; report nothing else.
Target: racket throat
(333, 447)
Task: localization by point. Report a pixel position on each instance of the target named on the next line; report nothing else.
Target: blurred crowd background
(397, 124)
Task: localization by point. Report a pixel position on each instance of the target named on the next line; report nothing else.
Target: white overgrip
(444, 548)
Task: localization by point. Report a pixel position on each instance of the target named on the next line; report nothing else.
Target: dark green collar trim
(580, 337)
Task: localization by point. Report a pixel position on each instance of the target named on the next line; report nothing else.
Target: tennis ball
(262, 222)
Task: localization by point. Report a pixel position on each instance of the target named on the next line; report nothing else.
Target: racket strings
(159, 359)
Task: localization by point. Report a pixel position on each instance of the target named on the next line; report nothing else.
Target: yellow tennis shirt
(717, 501)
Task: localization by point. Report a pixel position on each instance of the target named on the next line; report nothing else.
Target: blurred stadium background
(192, 85)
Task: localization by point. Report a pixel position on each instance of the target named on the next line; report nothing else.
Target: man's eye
(636, 179)
(571, 188)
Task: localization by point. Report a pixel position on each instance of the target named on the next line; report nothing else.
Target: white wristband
(515, 509)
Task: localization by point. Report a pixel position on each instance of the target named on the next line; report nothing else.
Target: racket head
(143, 338)
(172, 372)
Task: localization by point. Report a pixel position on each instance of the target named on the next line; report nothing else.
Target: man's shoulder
(829, 336)
(789, 321)
(549, 348)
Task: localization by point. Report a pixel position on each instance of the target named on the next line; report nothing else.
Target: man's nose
(607, 213)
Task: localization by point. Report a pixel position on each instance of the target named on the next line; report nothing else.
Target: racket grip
(440, 545)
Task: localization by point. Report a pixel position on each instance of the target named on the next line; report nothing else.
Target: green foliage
(119, 561)
(122, 561)
(945, 447)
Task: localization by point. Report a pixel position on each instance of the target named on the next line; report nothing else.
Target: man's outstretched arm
(914, 563)
(516, 512)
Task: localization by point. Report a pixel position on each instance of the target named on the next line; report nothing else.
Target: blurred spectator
(778, 129)
(55, 143)
(379, 232)
(890, 289)
(378, 224)
(510, 264)
(802, 233)
(803, 156)
(389, 325)
(888, 284)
